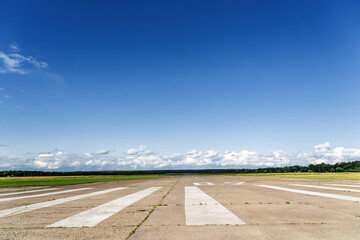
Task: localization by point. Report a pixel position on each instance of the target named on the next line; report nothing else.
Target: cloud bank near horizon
(142, 159)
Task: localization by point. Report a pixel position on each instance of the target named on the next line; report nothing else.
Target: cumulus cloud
(13, 162)
(14, 62)
(50, 160)
(325, 153)
(134, 151)
(140, 158)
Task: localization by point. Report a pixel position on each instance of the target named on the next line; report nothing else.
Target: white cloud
(133, 151)
(102, 152)
(17, 63)
(75, 164)
(50, 160)
(138, 158)
(149, 152)
(14, 47)
(324, 153)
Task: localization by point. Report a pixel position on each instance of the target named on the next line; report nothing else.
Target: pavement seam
(152, 210)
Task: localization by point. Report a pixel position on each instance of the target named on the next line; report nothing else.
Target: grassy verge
(61, 181)
(340, 176)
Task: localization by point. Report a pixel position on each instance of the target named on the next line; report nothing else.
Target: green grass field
(61, 181)
(340, 176)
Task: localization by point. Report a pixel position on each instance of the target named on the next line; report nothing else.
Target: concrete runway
(185, 207)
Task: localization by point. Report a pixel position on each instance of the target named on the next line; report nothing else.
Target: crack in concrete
(151, 211)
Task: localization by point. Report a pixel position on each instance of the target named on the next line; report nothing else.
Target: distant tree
(339, 169)
(348, 166)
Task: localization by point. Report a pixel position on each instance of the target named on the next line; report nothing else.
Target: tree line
(323, 167)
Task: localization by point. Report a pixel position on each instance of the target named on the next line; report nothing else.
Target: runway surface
(185, 207)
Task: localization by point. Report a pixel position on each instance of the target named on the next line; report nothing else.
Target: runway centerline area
(203, 184)
(201, 209)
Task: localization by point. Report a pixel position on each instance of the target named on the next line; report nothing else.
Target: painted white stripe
(35, 206)
(201, 209)
(43, 194)
(203, 183)
(329, 188)
(239, 183)
(95, 215)
(345, 185)
(31, 191)
(342, 197)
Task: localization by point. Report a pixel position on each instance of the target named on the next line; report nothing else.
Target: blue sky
(179, 84)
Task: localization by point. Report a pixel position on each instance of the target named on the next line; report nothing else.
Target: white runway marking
(201, 209)
(330, 188)
(35, 206)
(95, 215)
(203, 183)
(348, 198)
(345, 185)
(43, 194)
(239, 183)
(31, 191)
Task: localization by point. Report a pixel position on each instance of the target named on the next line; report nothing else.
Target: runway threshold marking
(30, 191)
(203, 183)
(344, 185)
(235, 183)
(96, 215)
(329, 188)
(36, 206)
(43, 194)
(238, 183)
(201, 209)
(342, 197)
